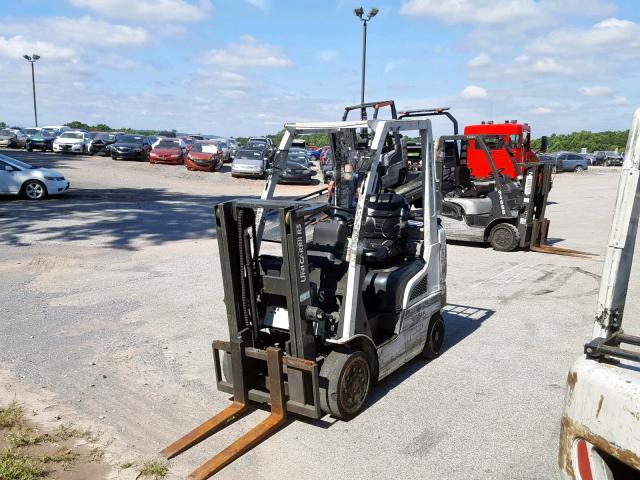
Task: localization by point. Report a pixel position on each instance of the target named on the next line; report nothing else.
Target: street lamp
(359, 12)
(32, 59)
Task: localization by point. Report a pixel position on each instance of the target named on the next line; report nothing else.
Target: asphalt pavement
(111, 295)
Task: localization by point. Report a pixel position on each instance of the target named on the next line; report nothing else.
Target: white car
(75, 141)
(19, 178)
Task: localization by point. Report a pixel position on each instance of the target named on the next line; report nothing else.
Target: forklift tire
(345, 382)
(435, 338)
(504, 237)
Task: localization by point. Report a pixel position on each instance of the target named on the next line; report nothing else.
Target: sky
(245, 67)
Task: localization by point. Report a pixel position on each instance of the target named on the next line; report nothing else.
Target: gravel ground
(111, 295)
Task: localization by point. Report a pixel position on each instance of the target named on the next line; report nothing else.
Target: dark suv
(608, 158)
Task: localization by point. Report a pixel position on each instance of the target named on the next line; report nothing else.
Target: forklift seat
(327, 244)
(384, 228)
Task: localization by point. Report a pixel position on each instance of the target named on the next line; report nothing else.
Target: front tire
(435, 338)
(504, 237)
(345, 382)
(34, 190)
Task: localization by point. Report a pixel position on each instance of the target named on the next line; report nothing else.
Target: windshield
(167, 144)
(47, 132)
(32, 131)
(109, 137)
(249, 155)
(76, 135)
(6, 131)
(18, 163)
(189, 141)
(205, 148)
(257, 143)
(130, 139)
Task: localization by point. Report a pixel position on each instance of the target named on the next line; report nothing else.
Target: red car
(205, 157)
(168, 150)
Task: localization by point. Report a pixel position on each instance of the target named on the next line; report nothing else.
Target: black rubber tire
(435, 338)
(345, 382)
(504, 237)
(34, 190)
(579, 169)
(29, 149)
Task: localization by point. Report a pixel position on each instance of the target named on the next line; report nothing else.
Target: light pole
(32, 59)
(359, 12)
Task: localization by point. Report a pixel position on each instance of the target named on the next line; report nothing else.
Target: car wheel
(504, 237)
(345, 379)
(579, 169)
(29, 149)
(34, 190)
(435, 338)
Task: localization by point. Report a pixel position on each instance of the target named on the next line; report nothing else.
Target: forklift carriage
(323, 299)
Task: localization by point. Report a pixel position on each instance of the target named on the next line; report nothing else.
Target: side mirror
(544, 143)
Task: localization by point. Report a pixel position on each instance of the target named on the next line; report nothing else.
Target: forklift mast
(599, 428)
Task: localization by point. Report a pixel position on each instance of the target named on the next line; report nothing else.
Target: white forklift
(323, 298)
(600, 427)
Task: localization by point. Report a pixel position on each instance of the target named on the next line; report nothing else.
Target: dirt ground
(112, 294)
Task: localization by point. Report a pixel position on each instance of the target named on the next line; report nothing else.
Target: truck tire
(345, 382)
(435, 338)
(504, 237)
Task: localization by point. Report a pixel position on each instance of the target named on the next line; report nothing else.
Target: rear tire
(579, 169)
(435, 338)
(345, 382)
(504, 237)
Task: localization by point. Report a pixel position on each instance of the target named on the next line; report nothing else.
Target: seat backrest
(329, 236)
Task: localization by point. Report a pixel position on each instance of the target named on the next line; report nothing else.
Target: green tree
(592, 141)
(3, 125)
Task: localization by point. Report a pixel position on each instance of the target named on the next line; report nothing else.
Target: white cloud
(611, 36)
(619, 101)
(522, 14)
(83, 31)
(390, 66)
(17, 46)
(261, 4)
(595, 90)
(327, 55)
(473, 92)
(152, 11)
(482, 60)
(248, 53)
(541, 111)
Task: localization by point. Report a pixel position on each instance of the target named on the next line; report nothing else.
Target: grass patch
(16, 466)
(11, 416)
(154, 469)
(126, 465)
(67, 432)
(64, 456)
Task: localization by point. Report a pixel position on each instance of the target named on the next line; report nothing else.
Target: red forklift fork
(247, 441)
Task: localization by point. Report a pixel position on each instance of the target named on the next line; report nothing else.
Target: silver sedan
(19, 178)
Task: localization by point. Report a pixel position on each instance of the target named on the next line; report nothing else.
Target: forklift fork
(539, 242)
(250, 439)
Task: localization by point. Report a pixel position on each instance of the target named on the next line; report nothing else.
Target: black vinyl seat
(328, 242)
(384, 228)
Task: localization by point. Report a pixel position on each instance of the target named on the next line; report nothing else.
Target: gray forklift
(324, 299)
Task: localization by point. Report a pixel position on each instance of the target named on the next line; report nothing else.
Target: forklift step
(247, 441)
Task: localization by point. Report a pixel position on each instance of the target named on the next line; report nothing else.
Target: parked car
(233, 148)
(327, 172)
(299, 155)
(8, 138)
(42, 140)
(262, 143)
(571, 162)
(591, 158)
(131, 147)
(19, 178)
(295, 172)
(30, 132)
(168, 150)
(188, 141)
(299, 143)
(548, 159)
(226, 152)
(204, 156)
(57, 129)
(314, 153)
(101, 143)
(21, 136)
(72, 141)
(608, 158)
(250, 163)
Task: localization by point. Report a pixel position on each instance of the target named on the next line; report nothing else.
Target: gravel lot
(111, 295)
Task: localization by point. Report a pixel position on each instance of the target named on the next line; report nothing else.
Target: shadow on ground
(116, 217)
